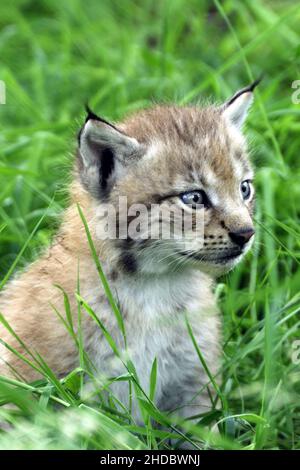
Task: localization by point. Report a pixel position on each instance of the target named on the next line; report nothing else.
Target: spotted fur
(151, 158)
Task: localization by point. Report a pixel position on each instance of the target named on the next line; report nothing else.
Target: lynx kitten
(193, 158)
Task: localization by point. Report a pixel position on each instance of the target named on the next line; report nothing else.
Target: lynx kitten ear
(104, 152)
(236, 109)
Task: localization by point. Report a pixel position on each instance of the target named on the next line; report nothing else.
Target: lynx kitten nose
(241, 237)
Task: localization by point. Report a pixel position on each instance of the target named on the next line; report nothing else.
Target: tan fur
(184, 148)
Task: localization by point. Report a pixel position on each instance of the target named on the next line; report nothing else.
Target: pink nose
(241, 237)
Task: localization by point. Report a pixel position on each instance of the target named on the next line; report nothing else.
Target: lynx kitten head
(188, 161)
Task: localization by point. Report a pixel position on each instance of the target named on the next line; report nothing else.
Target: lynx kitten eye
(246, 189)
(196, 199)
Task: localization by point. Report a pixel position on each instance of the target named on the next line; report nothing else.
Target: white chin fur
(216, 270)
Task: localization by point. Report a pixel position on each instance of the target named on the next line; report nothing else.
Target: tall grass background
(121, 56)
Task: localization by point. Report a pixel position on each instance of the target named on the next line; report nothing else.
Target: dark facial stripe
(128, 262)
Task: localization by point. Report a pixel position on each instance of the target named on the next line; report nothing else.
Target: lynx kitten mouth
(214, 260)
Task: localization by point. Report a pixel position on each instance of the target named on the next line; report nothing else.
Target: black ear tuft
(248, 88)
(91, 114)
(255, 83)
(95, 117)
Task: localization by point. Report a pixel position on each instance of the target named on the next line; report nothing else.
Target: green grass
(120, 56)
